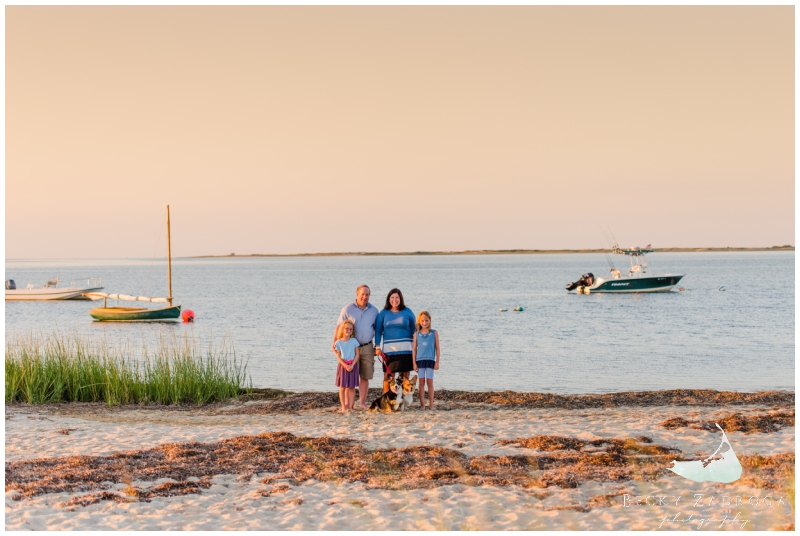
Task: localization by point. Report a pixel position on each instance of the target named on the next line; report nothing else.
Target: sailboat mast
(169, 261)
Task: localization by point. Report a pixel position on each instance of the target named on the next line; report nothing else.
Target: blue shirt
(347, 349)
(426, 349)
(394, 332)
(363, 319)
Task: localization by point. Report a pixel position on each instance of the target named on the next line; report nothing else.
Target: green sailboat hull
(135, 314)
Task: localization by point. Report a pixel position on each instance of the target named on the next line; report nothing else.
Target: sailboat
(138, 314)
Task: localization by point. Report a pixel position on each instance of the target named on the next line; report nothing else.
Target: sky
(281, 130)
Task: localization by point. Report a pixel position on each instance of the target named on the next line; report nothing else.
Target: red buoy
(188, 315)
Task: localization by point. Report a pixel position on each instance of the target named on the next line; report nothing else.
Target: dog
(400, 395)
(386, 402)
(407, 397)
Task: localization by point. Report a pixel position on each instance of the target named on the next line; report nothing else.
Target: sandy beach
(519, 462)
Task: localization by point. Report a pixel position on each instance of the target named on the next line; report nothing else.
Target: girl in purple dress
(347, 372)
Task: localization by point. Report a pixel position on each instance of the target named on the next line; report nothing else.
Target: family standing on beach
(402, 341)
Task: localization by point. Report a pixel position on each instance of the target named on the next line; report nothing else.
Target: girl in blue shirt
(426, 356)
(347, 372)
(394, 333)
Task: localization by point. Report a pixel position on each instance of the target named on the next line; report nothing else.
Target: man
(363, 315)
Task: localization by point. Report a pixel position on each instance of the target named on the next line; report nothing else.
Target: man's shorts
(366, 361)
(425, 373)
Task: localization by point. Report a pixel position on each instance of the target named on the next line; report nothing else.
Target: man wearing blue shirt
(363, 315)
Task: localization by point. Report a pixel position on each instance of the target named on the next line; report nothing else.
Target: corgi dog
(406, 398)
(386, 402)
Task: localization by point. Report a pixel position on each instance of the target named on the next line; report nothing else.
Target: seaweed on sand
(569, 462)
(768, 472)
(291, 403)
(674, 397)
(737, 422)
(562, 461)
(287, 457)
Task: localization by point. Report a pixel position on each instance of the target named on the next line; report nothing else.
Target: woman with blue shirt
(394, 333)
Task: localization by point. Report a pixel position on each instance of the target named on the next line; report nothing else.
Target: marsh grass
(46, 368)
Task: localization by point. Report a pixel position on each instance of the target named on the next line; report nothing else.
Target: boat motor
(10, 285)
(586, 280)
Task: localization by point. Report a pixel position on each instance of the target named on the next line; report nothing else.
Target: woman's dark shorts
(399, 363)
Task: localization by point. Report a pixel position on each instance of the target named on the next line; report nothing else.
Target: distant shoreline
(479, 252)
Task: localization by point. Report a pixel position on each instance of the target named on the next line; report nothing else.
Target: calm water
(280, 313)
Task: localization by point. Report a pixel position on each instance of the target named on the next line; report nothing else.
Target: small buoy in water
(503, 310)
(681, 289)
(519, 309)
(722, 289)
(188, 315)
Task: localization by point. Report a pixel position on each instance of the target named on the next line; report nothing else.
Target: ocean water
(281, 312)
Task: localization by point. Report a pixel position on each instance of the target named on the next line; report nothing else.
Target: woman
(396, 325)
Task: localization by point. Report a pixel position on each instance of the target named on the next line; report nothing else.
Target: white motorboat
(638, 278)
(51, 290)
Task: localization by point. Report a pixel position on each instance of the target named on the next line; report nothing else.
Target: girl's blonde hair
(340, 331)
(423, 313)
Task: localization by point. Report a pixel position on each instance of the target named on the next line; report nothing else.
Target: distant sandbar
(482, 252)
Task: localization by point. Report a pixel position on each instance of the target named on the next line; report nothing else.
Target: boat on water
(638, 278)
(138, 314)
(51, 290)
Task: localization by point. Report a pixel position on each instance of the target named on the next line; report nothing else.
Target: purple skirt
(346, 379)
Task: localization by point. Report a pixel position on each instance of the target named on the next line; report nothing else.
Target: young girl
(426, 356)
(347, 372)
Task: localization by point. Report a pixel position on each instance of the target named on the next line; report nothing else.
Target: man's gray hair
(363, 286)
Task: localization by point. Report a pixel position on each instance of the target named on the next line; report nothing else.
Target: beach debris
(674, 397)
(269, 401)
(519, 309)
(174, 489)
(94, 498)
(604, 501)
(65, 431)
(768, 472)
(292, 458)
(280, 488)
(545, 443)
(566, 462)
(674, 423)
(737, 422)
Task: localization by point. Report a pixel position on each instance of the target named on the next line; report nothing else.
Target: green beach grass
(47, 368)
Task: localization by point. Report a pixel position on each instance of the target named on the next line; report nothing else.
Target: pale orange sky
(317, 129)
